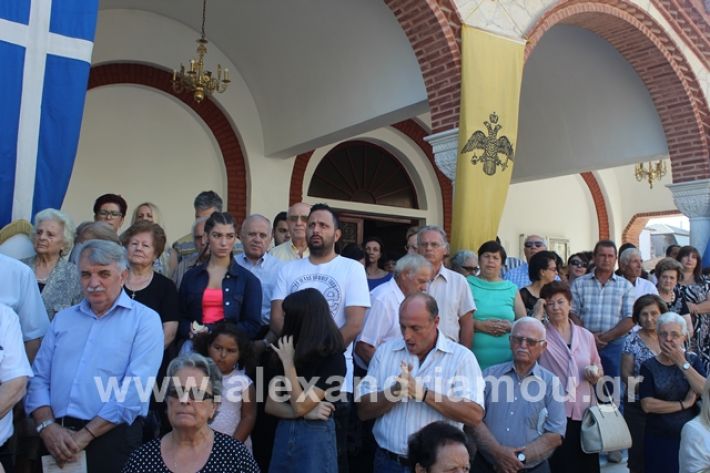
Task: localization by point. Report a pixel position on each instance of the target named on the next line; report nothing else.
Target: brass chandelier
(654, 172)
(198, 80)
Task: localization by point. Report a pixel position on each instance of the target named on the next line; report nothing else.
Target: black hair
(217, 218)
(539, 261)
(352, 251)
(379, 241)
(423, 446)
(670, 249)
(307, 318)
(493, 247)
(111, 199)
(280, 217)
(604, 244)
(202, 342)
(645, 301)
(326, 207)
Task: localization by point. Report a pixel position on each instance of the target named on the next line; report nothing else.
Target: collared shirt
(454, 299)
(18, 289)
(642, 287)
(13, 360)
(287, 251)
(449, 369)
(518, 276)
(92, 366)
(266, 269)
(382, 320)
(342, 282)
(519, 411)
(602, 307)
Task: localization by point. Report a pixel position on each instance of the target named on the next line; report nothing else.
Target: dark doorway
(391, 230)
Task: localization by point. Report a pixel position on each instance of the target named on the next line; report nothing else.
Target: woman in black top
(311, 347)
(543, 268)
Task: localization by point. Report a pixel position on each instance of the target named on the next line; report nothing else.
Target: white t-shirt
(229, 414)
(342, 282)
(694, 451)
(13, 360)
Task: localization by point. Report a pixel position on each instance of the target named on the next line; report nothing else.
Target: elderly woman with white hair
(672, 382)
(465, 262)
(695, 439)
(194, 390)
(58, 279)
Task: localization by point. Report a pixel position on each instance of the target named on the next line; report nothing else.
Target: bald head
(256, 236)
(297, 218)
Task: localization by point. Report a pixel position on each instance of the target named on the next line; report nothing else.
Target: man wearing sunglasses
(524, 418)
(519, 276)
(297, 247)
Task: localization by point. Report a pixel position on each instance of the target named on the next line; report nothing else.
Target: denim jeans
(611, 362)
(304, 446)
(384, 464)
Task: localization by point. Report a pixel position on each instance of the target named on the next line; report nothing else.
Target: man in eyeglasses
(85, 394)
(525, 416)
(519, 276)
(297, 247)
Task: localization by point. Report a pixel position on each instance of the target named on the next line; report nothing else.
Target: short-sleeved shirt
(161, 296)
(227, 456)
(532, 408)
(342, 282)
(287, 251)
(229, 414)
(382, 320)
(454, 299)
(601, 307)
(667, 383)
(449, 369)
(13, 360)
(18, 289)
(266, 269)
(642, 287)
(635, 346)
(324, 372)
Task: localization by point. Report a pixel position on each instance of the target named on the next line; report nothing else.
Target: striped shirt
(449, 369)
(601, 307)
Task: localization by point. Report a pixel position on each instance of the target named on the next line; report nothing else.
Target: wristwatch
(521, 457)
(44, 424)
(685, 366)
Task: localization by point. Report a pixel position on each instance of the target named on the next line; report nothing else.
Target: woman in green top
(498, 304)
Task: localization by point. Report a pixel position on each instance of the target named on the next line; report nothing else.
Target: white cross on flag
(45, 48)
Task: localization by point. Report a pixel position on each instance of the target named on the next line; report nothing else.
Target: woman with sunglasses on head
(220, 289)
(194, 390)
(695, 291)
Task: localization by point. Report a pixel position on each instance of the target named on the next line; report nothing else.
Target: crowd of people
(273, 349)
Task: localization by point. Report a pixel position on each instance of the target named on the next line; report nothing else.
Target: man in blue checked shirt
(108, 340)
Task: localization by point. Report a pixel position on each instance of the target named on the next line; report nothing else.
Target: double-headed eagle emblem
(492, 146)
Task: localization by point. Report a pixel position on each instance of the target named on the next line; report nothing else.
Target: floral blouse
(62, 288)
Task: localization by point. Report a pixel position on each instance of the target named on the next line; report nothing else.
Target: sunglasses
(193, 394)
(576, 262)
(296, 218)
(534, 244)
(531, 342)
(471, 269)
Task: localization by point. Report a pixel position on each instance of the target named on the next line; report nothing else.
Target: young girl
(230, 349)
(310, 347)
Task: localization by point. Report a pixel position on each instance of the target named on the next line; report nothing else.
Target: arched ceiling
(319, 70)
(582, 108)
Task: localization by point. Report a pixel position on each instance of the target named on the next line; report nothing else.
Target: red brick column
(639, 221)
(599, 204)
(208, 110)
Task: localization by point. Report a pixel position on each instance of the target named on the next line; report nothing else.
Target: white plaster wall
(145, 146)
(420, 171)
(557, 207)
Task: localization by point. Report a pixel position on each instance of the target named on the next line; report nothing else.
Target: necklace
(138, 283)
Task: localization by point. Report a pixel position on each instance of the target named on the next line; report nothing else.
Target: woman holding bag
(572, 356)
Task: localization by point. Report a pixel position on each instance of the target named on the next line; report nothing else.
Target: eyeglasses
(411, 247)
(471, 269)
(673, 335)
(296, 218)
(109, 213)
(576, 262)
(431, 244)
(534, 244)
(193, 394)
(531, 342)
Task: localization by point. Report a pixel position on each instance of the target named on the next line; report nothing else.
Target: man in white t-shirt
(343, 283)
(449, 288)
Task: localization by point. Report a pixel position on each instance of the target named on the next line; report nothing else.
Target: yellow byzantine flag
(491, 74)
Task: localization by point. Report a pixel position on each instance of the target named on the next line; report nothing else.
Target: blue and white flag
(45, 50)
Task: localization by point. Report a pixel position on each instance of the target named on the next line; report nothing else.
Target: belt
(71, 423)
(398, 459)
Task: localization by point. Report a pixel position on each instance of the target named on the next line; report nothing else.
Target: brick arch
(639, 221)
(414, 132)
(656, 58)
(599, 204)
(213, 116)
(433, 28)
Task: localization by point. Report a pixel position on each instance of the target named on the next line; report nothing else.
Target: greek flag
(45, 50)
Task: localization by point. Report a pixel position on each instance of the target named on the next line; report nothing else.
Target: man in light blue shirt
(519, 275)
(94, 368)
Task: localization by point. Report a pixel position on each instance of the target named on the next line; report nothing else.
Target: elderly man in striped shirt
(415, 380)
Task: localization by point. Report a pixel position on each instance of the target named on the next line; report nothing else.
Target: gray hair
(410, 264)
(626, 255)
(530, 321)
(432, 307)
(63, 219)
(104, 253)
(202, 363)
(672, 318)
(432, 228)
(208, 199)
(459, 259)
